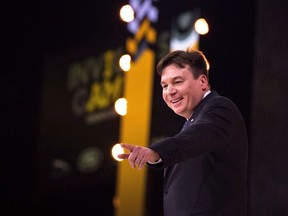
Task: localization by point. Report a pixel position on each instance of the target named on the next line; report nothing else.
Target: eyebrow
(174, 78)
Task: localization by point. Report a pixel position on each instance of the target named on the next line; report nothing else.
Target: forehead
(172, 72)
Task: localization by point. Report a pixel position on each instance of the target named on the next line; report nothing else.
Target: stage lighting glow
(125, 62)
(117, 149)
(201, 26)
(121, 106)
(127, 13)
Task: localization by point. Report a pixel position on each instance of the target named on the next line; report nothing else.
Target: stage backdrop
(78, 128)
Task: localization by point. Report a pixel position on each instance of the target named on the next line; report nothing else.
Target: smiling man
(205, 164)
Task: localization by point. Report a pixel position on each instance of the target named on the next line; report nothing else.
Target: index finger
(127, 146)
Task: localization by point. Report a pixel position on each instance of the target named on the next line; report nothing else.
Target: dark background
(248, 54)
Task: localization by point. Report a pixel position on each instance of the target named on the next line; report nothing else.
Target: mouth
(175, 101)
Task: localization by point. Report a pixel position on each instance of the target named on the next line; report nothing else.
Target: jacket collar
(202, 103)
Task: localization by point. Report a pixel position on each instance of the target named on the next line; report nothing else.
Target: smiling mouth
(176, 100)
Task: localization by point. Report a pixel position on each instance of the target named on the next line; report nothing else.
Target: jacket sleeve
(211, 131)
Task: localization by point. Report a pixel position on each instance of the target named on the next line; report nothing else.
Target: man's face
(181, 91)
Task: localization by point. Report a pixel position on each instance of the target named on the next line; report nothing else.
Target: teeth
(175, 101)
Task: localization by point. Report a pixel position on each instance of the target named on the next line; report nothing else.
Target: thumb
(123, 156)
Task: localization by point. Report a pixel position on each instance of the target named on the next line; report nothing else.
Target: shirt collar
(206, 93)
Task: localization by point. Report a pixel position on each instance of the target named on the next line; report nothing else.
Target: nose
(171, 89)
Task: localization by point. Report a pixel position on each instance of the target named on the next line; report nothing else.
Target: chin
(178, 113)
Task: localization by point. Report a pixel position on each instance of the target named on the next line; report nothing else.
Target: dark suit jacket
(206, 163)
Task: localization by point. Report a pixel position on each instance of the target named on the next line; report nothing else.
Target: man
(205, 164)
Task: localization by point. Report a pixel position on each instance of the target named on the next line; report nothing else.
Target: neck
(208, 91)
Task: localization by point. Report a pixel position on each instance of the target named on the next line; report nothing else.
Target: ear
(204, 82)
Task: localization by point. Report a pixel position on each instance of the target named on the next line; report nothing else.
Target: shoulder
(221, 106)
(218, 100)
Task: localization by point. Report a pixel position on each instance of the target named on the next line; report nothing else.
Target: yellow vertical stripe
(135, 129)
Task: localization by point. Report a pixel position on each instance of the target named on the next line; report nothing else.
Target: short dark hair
(194, 59)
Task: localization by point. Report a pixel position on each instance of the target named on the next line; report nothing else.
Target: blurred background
(60, 61)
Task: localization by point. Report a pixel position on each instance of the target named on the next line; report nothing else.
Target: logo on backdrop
(96, 83)
(141, 27)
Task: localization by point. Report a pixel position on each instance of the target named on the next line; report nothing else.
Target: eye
(164, 86)
(178, 81)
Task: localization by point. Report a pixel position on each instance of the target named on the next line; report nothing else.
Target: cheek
(164, 96)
